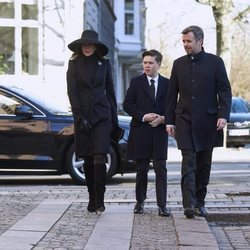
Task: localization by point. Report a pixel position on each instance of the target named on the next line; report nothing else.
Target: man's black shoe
(164, 211)
(201, 212)
(138, 208)
(189, 212)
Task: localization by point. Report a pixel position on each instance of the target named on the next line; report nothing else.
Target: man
(198, 107)
(145, 101)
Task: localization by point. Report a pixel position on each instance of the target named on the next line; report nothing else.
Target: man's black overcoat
(199, 94)
(145, 142)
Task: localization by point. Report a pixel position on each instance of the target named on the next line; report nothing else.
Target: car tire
(111, 163)
(75, 166)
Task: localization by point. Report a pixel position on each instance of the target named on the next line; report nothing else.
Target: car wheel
(75, 165)
(111, 163)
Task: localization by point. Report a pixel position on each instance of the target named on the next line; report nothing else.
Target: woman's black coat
(95, 101)
(145, 142)
(199, 93)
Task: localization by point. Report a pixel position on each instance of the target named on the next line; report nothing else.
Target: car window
(240, 106)
(9, 103)
(47, 104)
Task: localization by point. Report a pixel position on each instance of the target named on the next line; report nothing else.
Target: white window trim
(18, 24)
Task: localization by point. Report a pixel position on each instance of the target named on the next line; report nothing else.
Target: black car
(37, 135)
(238, 127)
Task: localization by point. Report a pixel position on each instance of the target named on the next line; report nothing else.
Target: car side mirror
(24, 111)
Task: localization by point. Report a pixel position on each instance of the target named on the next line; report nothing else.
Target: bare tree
(163, 44)
(226, 16)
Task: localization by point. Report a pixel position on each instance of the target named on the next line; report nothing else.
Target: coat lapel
(99, 68)
(146, 88)
(160, 88)
(85, 73)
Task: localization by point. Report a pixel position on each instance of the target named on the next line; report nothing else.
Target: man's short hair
(154, 53)
(197, 31)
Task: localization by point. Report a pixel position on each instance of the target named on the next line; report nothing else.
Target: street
(222, 173)
(227, 173)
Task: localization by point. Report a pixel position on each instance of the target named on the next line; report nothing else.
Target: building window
(6, 10)
(29, 11)
(19, 37)
(7, 49)
(30, 51)
(129, 17)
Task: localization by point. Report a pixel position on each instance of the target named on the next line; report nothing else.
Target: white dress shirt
(156, 82)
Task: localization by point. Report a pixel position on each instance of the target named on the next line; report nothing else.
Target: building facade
(129, 44)
(34, 35)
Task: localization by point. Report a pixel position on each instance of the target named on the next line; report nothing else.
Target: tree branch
(241, 15)
(207, 2)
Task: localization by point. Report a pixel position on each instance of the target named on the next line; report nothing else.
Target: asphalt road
(223, 173)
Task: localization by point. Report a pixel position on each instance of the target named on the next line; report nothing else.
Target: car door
(24, 135)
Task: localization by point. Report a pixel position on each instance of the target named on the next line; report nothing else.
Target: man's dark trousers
(195, 174)
(142, 167)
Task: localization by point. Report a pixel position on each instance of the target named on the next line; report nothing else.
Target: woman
(92, 98)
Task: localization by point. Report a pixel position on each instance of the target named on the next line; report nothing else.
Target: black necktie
(152, 88)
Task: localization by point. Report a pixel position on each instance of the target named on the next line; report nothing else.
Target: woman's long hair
(79, 54)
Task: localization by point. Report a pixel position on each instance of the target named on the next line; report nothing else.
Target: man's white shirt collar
(155, 79)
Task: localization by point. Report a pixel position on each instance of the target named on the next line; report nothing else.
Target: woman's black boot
(100, 181)
(90, 182)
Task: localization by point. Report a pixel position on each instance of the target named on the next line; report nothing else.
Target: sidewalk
(57, 219)
(116, 228)
(220, 154)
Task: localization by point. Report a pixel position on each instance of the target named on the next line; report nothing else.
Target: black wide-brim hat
(91, 37)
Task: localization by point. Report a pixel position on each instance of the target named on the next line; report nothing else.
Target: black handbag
(117, 134)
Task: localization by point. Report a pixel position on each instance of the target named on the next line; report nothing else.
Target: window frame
(18, 24)
(127, 24)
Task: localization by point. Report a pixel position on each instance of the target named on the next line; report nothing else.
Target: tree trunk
(224, 34)
(223, 14)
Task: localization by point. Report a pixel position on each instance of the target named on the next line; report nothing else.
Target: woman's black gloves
(83, 124)
(116, 132)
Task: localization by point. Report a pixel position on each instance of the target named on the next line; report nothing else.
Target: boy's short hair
(154, 53)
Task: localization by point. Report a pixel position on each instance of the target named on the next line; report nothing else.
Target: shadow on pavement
(228, 219)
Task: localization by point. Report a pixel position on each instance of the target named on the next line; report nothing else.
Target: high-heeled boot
(90, 182)
(100, 181)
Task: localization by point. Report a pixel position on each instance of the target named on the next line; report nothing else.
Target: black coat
(95, 101)
(199, 94)
(145, 142)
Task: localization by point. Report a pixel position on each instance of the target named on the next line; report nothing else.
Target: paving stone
(193, 232)
(151, 231)
(74, 228)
